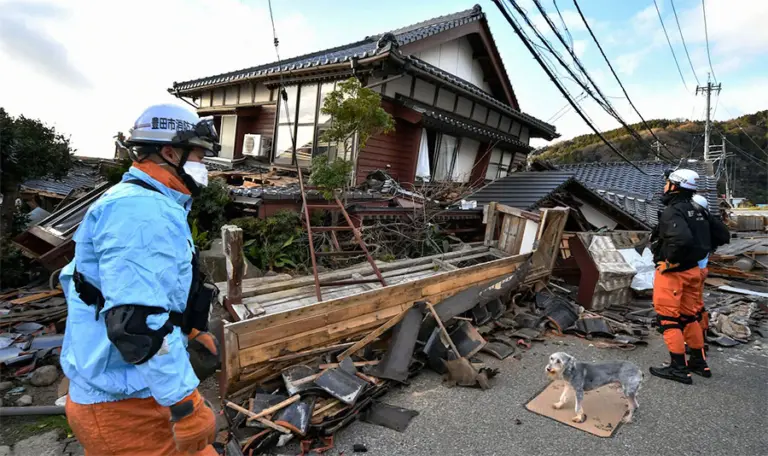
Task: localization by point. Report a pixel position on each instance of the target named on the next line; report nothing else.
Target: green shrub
(277, 242)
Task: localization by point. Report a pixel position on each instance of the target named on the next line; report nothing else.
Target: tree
(356, 112)
(29, 149)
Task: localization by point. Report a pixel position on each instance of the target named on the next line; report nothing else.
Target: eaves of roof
(546, 130)
(365, 48)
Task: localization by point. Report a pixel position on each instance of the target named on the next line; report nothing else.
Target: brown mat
(604, 407)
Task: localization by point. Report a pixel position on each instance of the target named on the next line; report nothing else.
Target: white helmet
(701, 201)
(174, 125)
(684, 178)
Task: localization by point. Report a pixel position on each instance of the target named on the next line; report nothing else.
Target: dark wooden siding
(260, 121)
(483, 157)
(399, 150)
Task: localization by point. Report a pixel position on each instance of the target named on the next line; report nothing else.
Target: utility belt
(195, 315)
(201, 292)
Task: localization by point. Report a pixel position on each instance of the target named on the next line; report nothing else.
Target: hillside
(685, 139)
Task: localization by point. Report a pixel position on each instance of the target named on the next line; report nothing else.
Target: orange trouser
(127, 427)
(704, 322)
(676, 299)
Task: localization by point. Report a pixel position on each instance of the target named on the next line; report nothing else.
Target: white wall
(455, 57)
(529, 236)
(595, 217)
(465, 160)
(228, 131)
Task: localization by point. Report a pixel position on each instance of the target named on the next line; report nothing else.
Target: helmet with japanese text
(176, 126)
(684, 178)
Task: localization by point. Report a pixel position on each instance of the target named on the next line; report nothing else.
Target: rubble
(24, 400)
(44, 376)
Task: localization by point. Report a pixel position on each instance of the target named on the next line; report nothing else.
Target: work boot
(677, 370)
(697, 363)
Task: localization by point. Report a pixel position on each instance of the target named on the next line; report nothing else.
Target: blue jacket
(135, 245)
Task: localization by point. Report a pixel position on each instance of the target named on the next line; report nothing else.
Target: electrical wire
(682, 38)
(738, 124)
(527, 42)
(570, 37)
(706, 38)
(281, 89)
(670, 45)
(745, 153)
(583, 70)
(604, 103)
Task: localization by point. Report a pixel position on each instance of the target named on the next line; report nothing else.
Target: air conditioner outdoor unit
(256, 146)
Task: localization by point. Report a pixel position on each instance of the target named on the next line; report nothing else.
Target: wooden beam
(36, 297)
(232, 237)
(263, 421)
(489, 217)
(275, 408)
(518, 212)
(314, 351)
(373, 335)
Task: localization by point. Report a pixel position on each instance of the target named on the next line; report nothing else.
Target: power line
(570, 37)
(745, 153)
(604, 103)
(706, 38)
(605, 57)
(738, 124)
(281, 88)
(683, 40)
(527, 42)
(677, 64)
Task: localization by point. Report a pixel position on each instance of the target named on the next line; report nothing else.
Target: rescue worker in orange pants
(682, 240)
(138, 305)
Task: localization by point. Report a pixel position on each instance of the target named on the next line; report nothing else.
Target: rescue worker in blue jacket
(136, 299)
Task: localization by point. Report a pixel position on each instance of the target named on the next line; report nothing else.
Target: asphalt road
(724, 415)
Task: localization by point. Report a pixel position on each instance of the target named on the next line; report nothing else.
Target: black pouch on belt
(201, 295)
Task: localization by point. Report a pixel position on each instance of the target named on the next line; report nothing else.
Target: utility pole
(708, 91)
(657, 147)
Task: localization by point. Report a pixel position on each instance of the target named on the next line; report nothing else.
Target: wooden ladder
(338, 252)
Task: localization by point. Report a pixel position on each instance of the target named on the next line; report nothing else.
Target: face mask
(198, 172)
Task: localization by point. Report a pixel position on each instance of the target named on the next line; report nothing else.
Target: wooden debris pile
(306, 369)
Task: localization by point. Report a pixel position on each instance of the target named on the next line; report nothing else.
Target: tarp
(422, 165)
(643, 280)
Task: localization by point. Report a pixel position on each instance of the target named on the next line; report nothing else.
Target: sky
(90, 67)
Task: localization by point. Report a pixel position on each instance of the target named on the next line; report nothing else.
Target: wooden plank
(349, 307)
(231, 366)
(254, 282)
(37, 297)
(517, 212)
(232, 237)
(445, 266)
(356, 364)
(388, 294)
(373, 335)
(263, 421)
(314, 351)
(506, 225)
(275, 408)
(490, 224)
(327, 406)
(515, 249)
(316, 337)
(361, 268)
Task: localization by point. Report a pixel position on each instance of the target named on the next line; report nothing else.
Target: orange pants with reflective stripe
(677, 294)
(128, 427)
(704, 323)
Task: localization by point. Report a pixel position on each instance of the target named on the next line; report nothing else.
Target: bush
(208, 212)
(277, 242)
(16, 270)
(330, 176)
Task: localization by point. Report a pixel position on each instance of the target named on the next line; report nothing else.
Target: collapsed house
(456, 114)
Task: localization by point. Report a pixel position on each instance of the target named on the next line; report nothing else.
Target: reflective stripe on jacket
(135, 245)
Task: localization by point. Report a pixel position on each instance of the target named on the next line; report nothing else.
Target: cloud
(579, 47)
(628, 63)
(90, 67)
(32, 46)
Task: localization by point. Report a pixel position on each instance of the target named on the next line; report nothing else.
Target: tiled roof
(527, 190)
(79, 177)
(485, 132)
(361, 49)
(522, 190)
(637, 193)
(547, 129)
